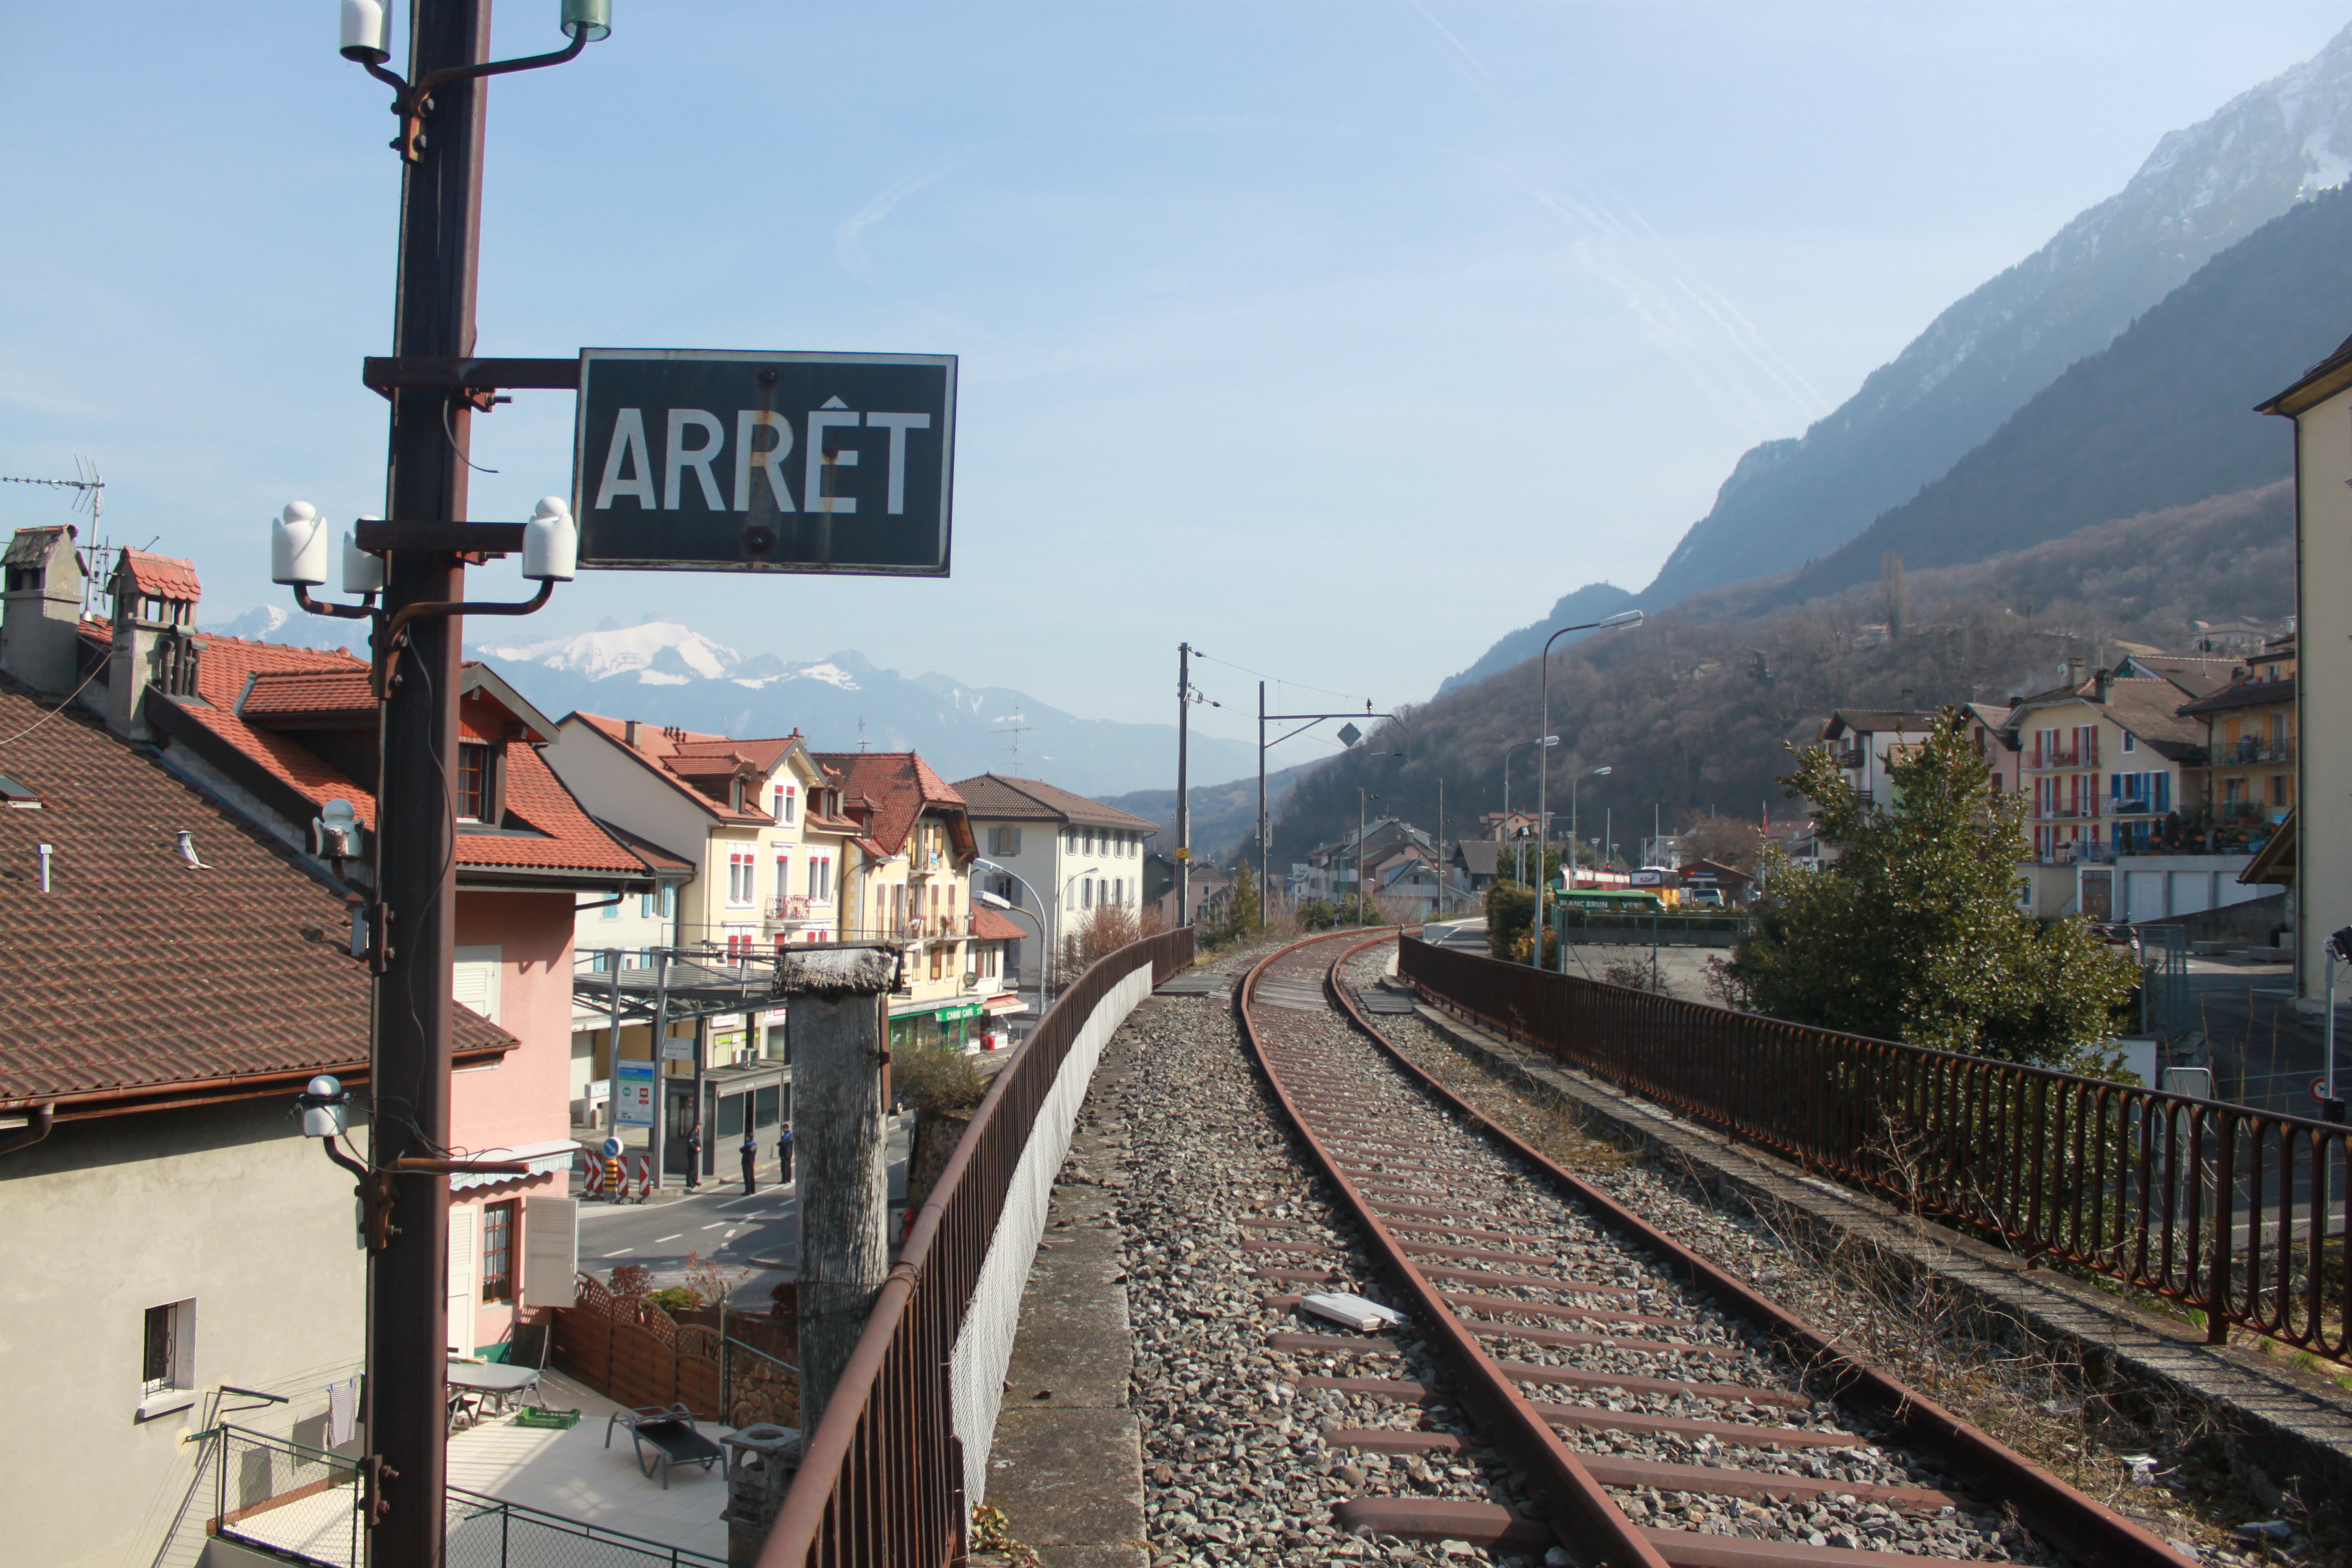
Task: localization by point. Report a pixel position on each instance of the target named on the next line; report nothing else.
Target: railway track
(1624, 1398)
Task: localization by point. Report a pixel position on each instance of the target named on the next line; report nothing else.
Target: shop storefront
(953, 1025)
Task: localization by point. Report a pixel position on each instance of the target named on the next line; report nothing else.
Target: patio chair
(671, 1434)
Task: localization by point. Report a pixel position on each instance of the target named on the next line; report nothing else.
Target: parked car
(1704, 898)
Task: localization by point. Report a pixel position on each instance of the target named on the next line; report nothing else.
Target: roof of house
(2316, 385)
(2195, 673)
(2149, 707)
(1876, 722)
(31, 546)
(260, 700)
(1478, 854)
(139, 982)
(994, 796)
(1993, 716)
(160, 576)
(897, 787)
(988, 925)
(2243, 694)
(663, 861)
(695, 764)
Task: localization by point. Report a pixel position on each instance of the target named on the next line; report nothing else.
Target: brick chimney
(2105, 686)
(154, 637)
(2075, 672)
(40, 606)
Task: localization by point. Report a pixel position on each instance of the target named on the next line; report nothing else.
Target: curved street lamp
(1612, 623)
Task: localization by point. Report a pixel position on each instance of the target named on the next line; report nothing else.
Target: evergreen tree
(1913, 933)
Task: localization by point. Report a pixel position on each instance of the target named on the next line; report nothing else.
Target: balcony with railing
(788, 909)
(2253, 752)
(2084, 754)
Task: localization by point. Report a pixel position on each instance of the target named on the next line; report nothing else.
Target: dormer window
(783, 800)
(479, 783)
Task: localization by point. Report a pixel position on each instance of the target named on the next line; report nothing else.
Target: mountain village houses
(161, 791)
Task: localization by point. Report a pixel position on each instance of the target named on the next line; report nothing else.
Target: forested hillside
(1692, 710)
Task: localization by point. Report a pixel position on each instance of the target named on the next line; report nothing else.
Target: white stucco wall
(227, 1206)
(983, 1347)
(2324, 682)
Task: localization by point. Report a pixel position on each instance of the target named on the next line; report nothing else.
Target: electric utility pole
(1184, 796)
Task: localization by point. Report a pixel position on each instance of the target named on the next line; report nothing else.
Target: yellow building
(912, 883)
(2249, 727)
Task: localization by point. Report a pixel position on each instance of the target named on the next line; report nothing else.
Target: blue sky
(1337, 338)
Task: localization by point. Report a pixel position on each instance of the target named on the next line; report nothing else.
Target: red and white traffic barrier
(645, 1177)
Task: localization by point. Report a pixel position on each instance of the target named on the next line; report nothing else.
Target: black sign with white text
(718, 460)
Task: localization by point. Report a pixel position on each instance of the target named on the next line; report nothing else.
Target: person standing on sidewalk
(693, 1156)
(750, 1162)
(784, 1155)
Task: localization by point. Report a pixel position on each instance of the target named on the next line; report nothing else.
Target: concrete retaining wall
(983, 1347)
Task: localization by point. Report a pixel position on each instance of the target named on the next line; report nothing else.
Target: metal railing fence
(2234, 1212)
(881, 1482)
(302, 1504)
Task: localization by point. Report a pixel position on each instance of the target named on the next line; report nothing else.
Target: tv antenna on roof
(92, 484)
(1016, 731)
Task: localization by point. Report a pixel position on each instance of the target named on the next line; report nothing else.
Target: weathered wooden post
(837, 995)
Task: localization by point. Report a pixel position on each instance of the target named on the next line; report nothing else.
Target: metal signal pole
(415, 872)
(1184, 796)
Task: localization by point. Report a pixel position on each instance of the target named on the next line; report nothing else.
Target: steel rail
(1586, 1524)
(2057, 1513)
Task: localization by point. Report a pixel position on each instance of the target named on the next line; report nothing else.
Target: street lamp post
(1361, 796)
(1048, 923)
(1543, 768)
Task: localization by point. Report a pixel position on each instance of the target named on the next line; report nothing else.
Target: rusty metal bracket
(374, 1473)
(385, 373)
(389, 638)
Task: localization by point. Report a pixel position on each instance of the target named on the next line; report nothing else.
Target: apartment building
(2249, 727)
(2115, 777)
(1075, 854)
(912, 884)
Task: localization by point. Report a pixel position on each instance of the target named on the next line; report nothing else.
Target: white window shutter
(464, 1260)
(551, 1267)
(474, 978)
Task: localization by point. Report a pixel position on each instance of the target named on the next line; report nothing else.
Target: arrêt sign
(718, 460)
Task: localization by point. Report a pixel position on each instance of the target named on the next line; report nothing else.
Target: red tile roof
(163, 576)
(900, 784)
(987, 925)
(273, 691)
(140, 982)
(232, 671)
(677, 756)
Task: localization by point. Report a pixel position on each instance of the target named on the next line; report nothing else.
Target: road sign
(1350, 734)
(722, 460)
(633, 1094)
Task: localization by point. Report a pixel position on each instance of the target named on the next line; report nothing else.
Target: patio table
(476, 1383)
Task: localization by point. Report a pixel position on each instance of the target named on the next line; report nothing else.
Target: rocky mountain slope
(1981, 361)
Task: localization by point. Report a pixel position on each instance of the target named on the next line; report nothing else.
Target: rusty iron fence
(881, 1481)
(2235, 1212)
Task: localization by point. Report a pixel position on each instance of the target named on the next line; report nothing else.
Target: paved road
(756, 1238)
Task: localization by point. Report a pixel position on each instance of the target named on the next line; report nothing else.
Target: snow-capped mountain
(273, 623)
(668, 673)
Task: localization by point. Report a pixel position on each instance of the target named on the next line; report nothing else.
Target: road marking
(714, 1225)
(622, 1253)
(659, 1240)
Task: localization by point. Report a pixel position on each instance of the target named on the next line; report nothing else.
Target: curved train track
(1629, 1388)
